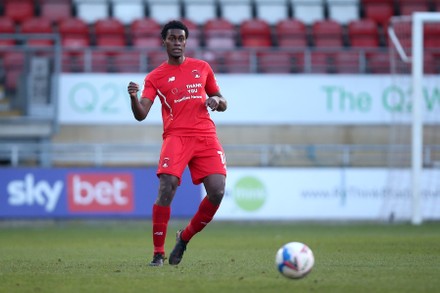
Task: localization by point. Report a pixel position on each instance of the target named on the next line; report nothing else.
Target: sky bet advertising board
(88, 192)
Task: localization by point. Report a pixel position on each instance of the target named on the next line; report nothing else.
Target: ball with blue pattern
(294, 260)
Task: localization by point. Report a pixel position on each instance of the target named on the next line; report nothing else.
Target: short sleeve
(149, 91)
(211, 86)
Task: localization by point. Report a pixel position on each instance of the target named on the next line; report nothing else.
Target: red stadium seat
(219, 33)
(13, 63)
(12, 79)
(109, 32)
(100, 61)
(237, 62)
(73, 26)
(436, 62)
(274, 62)
(19, 10)
(128, 61)
(7, 26)
(145, 33)
(255, 33)
(432, 36)
(291, 33)
(347, 62)
(403, 33)
(72, 62)
(429, 63)
(298, 62)
(378, 62)
(407, 7)
(107, 41)
(401, 67)
(36, 26)
(75, 42)
(155, 58)
(379, 10)
(13, 60)
(220, 43)
(320, 62)
(195, 34)
(215, 58)
(363, 33)
(74, 35)
(327, 33)
(55, 10)
(218, 27)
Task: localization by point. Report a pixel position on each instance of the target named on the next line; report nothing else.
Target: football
(294, 260)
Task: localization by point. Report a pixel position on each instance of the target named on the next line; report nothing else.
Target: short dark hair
(174, 24)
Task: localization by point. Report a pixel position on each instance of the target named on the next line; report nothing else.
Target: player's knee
(216, 195)
(167, 189)
(215, 188)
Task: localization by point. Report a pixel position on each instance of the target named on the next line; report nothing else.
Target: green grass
(112, 256)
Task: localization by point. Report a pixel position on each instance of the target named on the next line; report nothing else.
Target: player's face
(175, 42)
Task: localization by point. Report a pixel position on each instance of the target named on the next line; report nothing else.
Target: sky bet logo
(100, 192)
(30, 192)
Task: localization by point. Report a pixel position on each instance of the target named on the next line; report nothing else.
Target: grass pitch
(113, 256)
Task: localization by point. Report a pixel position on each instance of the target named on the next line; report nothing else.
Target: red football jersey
(182, 90)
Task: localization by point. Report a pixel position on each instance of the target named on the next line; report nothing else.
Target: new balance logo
(172, 78)
(158, 233)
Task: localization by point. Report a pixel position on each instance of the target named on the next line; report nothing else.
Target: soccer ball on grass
(294, 260)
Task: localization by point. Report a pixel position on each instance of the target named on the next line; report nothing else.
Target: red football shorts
(203, 155)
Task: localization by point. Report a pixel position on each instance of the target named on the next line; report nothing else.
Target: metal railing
(61, 154)
(238, 60)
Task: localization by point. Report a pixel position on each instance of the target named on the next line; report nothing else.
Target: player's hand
(213, 102)
(133, 89)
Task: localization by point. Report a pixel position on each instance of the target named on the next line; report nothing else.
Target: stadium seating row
(253, 45)
(200, 11)
(216, 33)
(236, 61)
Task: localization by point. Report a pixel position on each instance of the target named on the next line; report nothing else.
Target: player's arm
(216, 102)
(141, 107)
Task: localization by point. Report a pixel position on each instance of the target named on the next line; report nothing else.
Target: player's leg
(171, 166)
(161, 215)
(208, 168)
(215, 189)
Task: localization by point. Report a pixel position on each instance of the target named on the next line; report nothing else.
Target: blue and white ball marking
(294, 260)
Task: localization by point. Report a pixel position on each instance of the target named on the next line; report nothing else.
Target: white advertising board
(259, 99)
(325, 194)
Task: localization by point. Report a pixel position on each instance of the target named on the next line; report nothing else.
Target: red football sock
(204, 215)
(161, 216)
